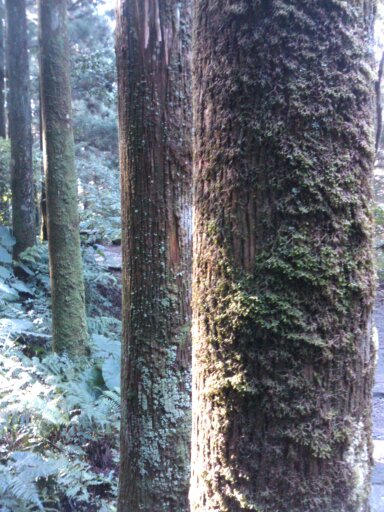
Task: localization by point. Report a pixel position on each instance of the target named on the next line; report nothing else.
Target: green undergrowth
(99, 196)
(59, 418)
(379, 242)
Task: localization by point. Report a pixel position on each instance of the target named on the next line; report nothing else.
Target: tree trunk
(67, 285)
(152, 45)
(43, 195)
(283, 275)
(19, 109)
(379, 108)
(3, 132)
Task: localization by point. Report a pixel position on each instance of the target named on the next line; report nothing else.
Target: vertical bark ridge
(153, 46)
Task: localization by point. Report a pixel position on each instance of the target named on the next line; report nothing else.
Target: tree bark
(19, 109)
(379, 108)
(3, 132)
(153, 46)
(67, 285)
(283, 277)
(43, 195)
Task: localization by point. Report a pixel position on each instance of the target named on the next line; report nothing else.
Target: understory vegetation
(59, 418)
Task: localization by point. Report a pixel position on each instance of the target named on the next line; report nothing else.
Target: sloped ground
(59, 418)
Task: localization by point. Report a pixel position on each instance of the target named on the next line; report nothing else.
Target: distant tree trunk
(43, 195)
(153, 46)
(68, 306)
(3, 132)
(19, 109)
(283, 274)
(43, 214)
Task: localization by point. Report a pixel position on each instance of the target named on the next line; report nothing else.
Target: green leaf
(5, 273)
(15, 325)
(6, 238)
(5, 257)
(21, 287)
(111, 373)
(8, 293)
(105, 347)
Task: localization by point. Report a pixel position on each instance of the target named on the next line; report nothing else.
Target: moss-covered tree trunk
(19, 115)
(153, 46)
(3, 132)
(67, 285)
(283, 277)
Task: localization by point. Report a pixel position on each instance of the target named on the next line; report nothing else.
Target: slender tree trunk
(154, 117)
(283, 275)
(67, 285)
(19, 109)
(43, 214)
(3, 132)
(43, 195)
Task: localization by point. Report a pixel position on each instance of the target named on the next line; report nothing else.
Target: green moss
(284, 281)
(69, 326)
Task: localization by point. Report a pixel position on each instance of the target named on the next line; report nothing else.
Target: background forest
(60, 415)
(60, 419)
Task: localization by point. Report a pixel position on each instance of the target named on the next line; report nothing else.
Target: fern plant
(59, 419)
(53, 420)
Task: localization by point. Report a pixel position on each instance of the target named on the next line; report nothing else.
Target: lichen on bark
(153, 47)
(283, 276)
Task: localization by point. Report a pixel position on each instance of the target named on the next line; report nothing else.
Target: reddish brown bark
(152, 44)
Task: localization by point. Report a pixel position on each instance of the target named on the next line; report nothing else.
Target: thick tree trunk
(19, 109)
(154, 115)
(3, 132)
(67, 285)
(283, 278)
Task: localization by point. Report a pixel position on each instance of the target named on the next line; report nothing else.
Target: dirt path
(109, 257)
